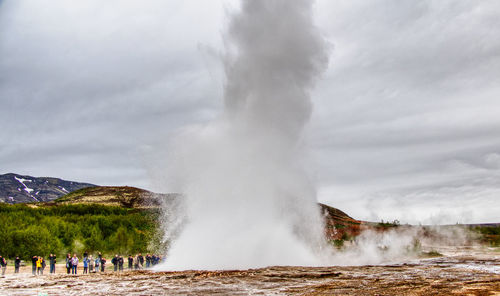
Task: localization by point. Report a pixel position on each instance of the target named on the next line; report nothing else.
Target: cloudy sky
(406, 120)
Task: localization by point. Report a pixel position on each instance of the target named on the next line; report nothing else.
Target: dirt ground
(462, 274)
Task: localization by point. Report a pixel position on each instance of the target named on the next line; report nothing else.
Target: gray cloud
(408, 113)
(405, 122)
(86, 87)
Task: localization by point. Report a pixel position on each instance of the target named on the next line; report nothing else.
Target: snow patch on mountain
(21, 180)
(63, 189)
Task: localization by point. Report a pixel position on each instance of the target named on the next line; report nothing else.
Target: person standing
(136, 262)
(130, 262)
(120, 263)
(91, 264)
(3, 264)
(103, 263)
(17, 263)
(34, 259)
(39, 266)
(148, 260)
(52, 262)
(97, 263)
(85, 265)
(68, 263)
(74, 264)
(43, 265)
(114, 261)
(141, 260)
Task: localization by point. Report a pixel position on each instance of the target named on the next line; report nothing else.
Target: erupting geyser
(249, 202)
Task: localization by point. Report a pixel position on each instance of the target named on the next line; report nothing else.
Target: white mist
(248, 201)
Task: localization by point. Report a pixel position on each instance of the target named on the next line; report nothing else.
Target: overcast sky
(406, 120)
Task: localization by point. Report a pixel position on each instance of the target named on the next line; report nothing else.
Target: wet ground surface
(463, 274)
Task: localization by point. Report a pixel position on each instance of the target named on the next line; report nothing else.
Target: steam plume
(249, 202)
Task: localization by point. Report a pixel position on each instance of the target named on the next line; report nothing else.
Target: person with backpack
(17, 263)
(114, 261)
(52, 262)
(68, 263)
(3, 264)
(74, 264)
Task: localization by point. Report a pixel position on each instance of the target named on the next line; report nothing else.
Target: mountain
(16, 188)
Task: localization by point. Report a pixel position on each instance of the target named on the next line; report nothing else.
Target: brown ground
(455, 275)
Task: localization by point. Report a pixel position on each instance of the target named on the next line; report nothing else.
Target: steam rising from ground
(402, 243)
(248, 201)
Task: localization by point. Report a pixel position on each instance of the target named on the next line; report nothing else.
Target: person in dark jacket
(68, 263)
(114, 261)
(52, 262)
(103, 263)
(44, 264)
(120, 263)
(130, 262)
(141, 260)
(3, 264)
(17, 263)
(148, 260)
(34, 259)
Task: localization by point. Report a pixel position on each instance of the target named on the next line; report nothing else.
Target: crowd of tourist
(90, 264)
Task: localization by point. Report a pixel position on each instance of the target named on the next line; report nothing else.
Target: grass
(431, 253)
(74, 194)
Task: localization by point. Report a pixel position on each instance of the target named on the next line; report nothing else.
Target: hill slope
(16, 188)
(123, 196)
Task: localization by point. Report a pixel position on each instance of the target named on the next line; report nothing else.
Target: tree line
(27, 230)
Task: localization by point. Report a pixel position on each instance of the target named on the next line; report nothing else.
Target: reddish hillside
(339, 225)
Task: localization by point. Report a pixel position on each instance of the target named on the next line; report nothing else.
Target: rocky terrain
(16, 188)
(467, 273)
